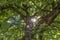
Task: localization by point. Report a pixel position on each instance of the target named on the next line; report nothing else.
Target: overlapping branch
(49, 18)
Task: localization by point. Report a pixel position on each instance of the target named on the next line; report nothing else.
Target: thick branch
(48, 19)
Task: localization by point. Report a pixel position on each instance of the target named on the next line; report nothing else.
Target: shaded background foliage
(12, 27)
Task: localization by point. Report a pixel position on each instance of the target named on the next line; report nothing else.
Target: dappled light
(33, 20)
(29, 19)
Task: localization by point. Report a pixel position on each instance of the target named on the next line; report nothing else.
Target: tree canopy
(29, 20)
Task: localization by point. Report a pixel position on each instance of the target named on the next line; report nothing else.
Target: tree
(32, 14)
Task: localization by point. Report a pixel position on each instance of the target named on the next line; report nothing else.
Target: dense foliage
(14, 14)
